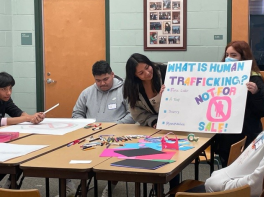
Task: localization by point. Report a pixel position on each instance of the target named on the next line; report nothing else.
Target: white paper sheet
(10, 151)
(80, 161)
(50, 126)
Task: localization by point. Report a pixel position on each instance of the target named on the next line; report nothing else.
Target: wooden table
(54, 141)
(160, 176)
(56, 163)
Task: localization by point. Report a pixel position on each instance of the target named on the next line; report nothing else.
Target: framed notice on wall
(165, 25)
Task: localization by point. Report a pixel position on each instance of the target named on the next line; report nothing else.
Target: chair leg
(47, 187)
(126, 189)
(196, 165)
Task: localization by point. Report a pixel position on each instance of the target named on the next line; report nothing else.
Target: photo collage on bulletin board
(165, 24)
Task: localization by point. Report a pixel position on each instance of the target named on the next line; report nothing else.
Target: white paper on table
(50, 126)
(10, 151)
(80, 161)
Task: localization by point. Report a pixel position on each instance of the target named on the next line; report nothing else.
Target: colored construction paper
(185, 147)
(138, 152)
(137, 163)
(164, 160)
(141, 145)
(163, 156)
(108, 152)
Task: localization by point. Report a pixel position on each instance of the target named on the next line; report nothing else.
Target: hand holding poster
(204, 96)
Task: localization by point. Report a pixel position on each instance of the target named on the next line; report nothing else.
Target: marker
(50, 109)
(94, 139)
(89, 148)
(96, 128)
(74, 142)
(117, 144)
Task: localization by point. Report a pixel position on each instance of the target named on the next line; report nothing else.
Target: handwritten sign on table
(204, 96)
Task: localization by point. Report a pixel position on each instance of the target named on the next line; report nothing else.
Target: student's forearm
(17, 120)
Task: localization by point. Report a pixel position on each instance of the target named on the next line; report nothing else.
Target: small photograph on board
(166, 27)
(164, 15)
(176, 5)
(166, 4)
(162, 39)
(176, 29)
(155, 26)
(176, 17)
(153, 16)
(174, 40)
(155, 6)
(153, 37)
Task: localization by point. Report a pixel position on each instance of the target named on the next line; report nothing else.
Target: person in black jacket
(8, 107)
(237, 51)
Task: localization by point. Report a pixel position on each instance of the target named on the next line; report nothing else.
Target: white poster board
(204, 96)
(50, 126)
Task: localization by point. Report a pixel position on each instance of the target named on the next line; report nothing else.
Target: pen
(108, 145)
(117, 144)
(51, 108)
(94, 139)
(72, 143)
(96, 128)
(90, 145)
(89, 148)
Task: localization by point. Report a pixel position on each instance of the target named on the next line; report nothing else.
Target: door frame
(39, 49)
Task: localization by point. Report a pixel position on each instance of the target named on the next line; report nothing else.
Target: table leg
(13, 181)
(145, 190)
(212, 158)
(137, 189)
(159, 190)
(95, 187)
(83, 186)
(62, 187)
(109, 189)
(196, 166)
(47, 186)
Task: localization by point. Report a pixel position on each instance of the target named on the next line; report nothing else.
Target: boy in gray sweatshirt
(104, 99)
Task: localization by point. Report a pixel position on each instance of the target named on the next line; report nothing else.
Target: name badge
(112, 106)
(258, 143)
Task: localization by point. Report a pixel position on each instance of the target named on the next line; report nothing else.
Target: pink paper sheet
(110, 153)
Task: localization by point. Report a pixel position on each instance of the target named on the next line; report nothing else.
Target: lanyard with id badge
(112, 106)
(259, 142)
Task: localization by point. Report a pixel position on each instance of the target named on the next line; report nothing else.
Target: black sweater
(8, 107)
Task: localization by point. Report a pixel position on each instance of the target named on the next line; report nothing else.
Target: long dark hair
(133, 84)
(244, 50)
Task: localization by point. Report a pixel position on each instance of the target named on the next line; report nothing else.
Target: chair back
(235, 150)
(19, 193)
(241, 191)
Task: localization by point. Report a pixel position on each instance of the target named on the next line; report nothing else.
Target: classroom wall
(205, 19)
(16, 17)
